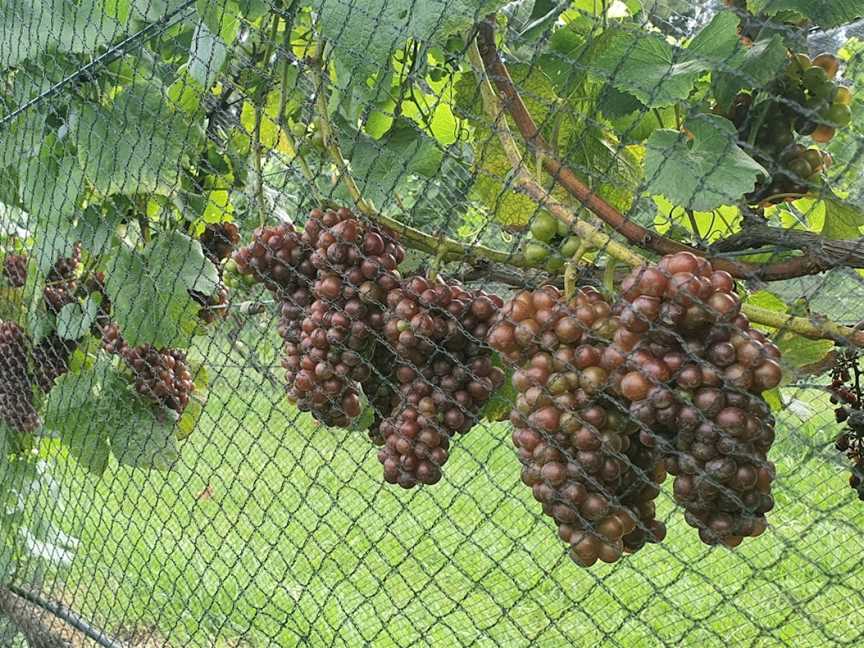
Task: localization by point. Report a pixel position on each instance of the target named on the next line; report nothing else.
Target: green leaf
(842, 220)
(766, 299)
(154, 9)
(825, 13)
(749, 68)
(177, 260)
(49, 188)
(76, 408)
(189, 420)
(74, 319)
(799, 351)
(136, 145)
(498, 406)
(365, 34)
(207, 55)
(22, 138)
(222, 17)
(149, 311)
(139, 440)
(655, 72)
(96, 231)
(29, 28)
(381, 165)
(702, 174)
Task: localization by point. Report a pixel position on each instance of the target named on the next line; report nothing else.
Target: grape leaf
(154, 9)
(138, 439)
(502, 400)
(702, 174)
(49, 187)
(222, 18)
(365, 34)
(135, 145)
(76, 401)
(74, 320)
(178, 261)
(799, 351)
(29, 28)
(95, 406)
(842, 220)
(22, 137)
(206, 57)
(659, 74)
(148, 311)
(380, 165)
(825, 13)
(188, 421)
(749, 68)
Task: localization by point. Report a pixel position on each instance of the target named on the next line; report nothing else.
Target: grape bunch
(112, 340)
(16, 392)
(551, 243)
(693, 372)
(162, 376)
(61, 284)
(51, 360)
(328, 351)
(847, 395)
(218, 241)
(15, 269)
(806, 100)
(444, 374)
(582, 457)
(276, 257)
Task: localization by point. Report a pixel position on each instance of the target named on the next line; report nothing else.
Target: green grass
(302, 543)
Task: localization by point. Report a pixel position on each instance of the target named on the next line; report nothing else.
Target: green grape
(544, 227)
(801, 168)
(838, 114)
(814, 159)
(563, 228)
(536, 253)
(570, 246)
(843, 96)
(554, 263)
(814, 78)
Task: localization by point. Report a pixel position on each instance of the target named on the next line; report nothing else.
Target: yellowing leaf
(270, 135)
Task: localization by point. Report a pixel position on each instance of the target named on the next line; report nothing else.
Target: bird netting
(451, 322)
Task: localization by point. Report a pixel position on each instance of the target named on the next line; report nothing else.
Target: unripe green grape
(801, 168)
(554, 263)
(570, 246)
(563, 228)
(838, 115)
(815, 78)
(544, 227)
(535, 253)
(843, 96)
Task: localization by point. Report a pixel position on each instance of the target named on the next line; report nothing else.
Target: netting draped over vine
(452, 322)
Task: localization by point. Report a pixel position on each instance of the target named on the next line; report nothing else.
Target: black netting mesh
(267, 264)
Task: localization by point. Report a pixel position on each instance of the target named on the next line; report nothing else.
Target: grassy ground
(276, 532)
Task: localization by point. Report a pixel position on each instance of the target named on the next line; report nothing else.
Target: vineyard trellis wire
(374, 321)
